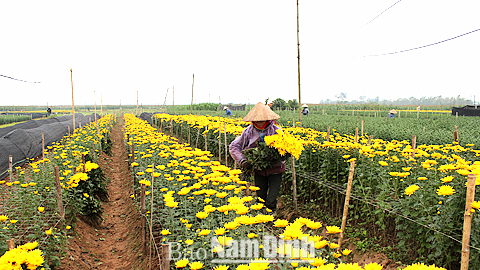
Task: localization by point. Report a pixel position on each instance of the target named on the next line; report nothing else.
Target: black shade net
(23, 141)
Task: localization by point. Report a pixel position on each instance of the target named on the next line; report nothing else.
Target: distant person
(270, 103)
(305, 110)
(228, 112)
(391, 113)
(49, 111)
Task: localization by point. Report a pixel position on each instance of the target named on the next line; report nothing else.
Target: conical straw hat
(260, 112)
(304, 105)
(393, 111)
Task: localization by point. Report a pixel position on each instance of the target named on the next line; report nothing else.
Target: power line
(424, 46)
(380, 14)
(16, 79)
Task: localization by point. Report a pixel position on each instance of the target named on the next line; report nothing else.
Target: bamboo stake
(61, 210)
(219, 140)
(294, 181)
(328, 133)
(10, 244)
(151, 220)
(73, 102)
(356, 135)
(455, 134)
(198, 135)
(95, 111)
(83, 162)
(181, 132)
(225, 139)
(191, 105)
(362, 128)
(188, 133)
(165, 256)
(467, 222)
(298, 67)
(347, 202)
(43, 146)
(414, 145)
(10, 167)
(144, 219)
(206, 135)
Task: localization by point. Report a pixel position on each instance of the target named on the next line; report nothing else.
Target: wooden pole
(165, 256)
(294, 182)
(73, 102)
(144, 219)
(328, 133)
(467, 222)
(356, 135)
(225, 139)
(10, 244)
(43, 146)
(191, 105)
(219, 140)
(362, 128)
(83, 162)
(188, 133)
(455, 134)
(298, 67)
(181, 132)
(10, 167)
(61, 210)
(414, 145)
(347, 202)
(206, 135)
(151, 220)
(198, 135)
(95, 111)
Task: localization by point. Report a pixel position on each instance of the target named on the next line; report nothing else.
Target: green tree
(279, 104)
(293, 104)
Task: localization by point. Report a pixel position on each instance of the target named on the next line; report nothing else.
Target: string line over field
(16, 79)
(424, 46)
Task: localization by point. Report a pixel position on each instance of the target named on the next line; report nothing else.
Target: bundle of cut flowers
(276, 148)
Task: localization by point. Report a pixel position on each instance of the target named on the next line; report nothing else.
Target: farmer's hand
(246, 165)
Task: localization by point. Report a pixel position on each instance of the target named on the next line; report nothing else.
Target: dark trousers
(269, 188)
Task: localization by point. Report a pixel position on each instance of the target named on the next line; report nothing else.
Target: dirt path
(115, 244)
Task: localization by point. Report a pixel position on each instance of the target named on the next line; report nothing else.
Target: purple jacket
(248, 139)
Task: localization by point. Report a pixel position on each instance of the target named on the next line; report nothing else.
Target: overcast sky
(240, 51)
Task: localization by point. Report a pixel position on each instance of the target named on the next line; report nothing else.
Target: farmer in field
(305, 110)
(391, 113)
(269, 180)
(270, 103)
(228, 112)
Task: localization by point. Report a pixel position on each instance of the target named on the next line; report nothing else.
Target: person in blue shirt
(305, 109)
(391, 113)
(228, 112)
